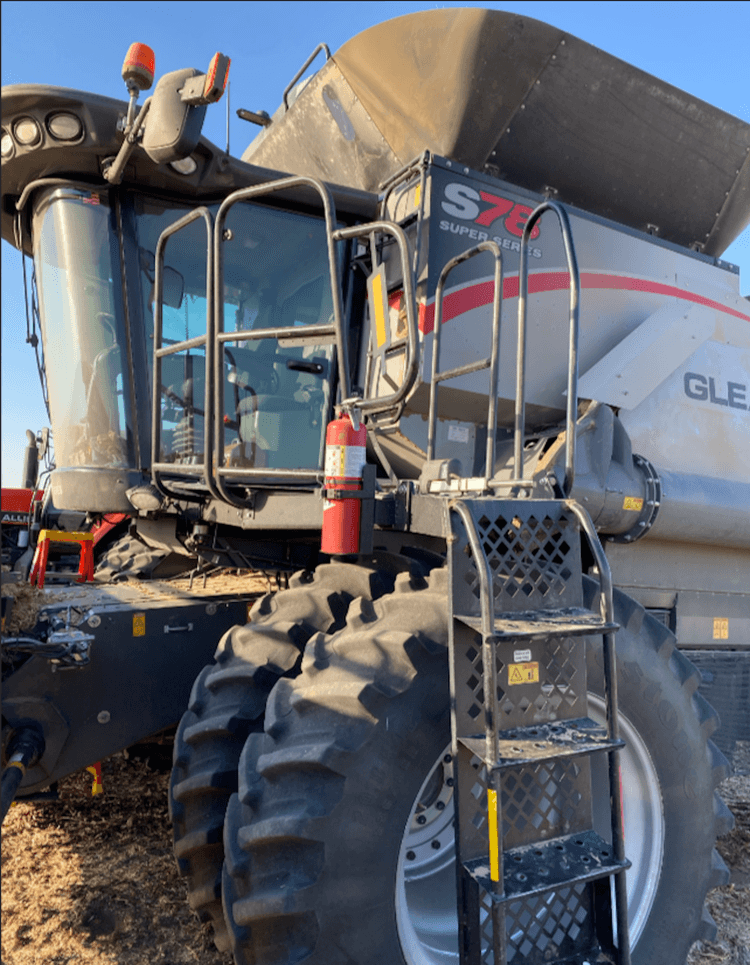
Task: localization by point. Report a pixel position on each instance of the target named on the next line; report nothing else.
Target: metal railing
(377, 404)
(491, 363)
(572, 382)
(519, 430)
(333, 330)
(204, 469)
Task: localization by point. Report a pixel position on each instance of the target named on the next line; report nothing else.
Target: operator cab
(90, 205)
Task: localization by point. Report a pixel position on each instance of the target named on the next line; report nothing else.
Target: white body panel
(664, 334)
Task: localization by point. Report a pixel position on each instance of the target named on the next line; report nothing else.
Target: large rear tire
(228, 701)
(339, 843)
(129, 558)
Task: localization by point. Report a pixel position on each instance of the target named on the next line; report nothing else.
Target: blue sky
(700, 47)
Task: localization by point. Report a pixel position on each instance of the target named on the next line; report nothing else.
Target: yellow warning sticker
(139, 624)
(379, 308)
(523, 673)
(633, 502)
(721, 628)
(417, 195)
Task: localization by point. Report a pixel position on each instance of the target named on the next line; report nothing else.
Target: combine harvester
(472, 369)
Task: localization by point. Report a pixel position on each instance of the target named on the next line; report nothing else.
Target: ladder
(538, 882)
(533, 873)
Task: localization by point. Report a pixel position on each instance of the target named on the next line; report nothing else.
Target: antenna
(229, 89)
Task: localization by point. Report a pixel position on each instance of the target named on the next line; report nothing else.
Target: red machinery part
(16, 504)
(345, 460)
(106, 524)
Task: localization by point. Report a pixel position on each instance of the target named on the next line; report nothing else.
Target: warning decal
(721, 628)
(523, 673)
(345, 461)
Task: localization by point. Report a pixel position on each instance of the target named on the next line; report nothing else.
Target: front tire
(326, 858)
(228, 702)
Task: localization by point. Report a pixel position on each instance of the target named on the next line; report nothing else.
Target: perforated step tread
(530, 624)
(548, 866)
(544, 742)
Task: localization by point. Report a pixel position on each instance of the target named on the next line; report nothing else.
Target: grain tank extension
(453, 346)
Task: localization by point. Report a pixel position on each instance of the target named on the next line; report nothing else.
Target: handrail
(380, 404)
(607, 610)
(300, 72)
(492, 362)
(206, 471)
(335, 329)
(575, 291)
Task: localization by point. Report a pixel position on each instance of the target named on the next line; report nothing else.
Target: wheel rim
(426, 878)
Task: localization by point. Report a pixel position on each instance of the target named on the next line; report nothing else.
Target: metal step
(536, 878)
(548, 866)
(529, 624)
(544, 742)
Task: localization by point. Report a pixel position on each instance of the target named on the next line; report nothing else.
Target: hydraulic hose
(25, 748)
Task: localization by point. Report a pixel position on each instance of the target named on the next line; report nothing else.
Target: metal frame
(383, 404)
(606, 602)
(492, 362)
(215, 479)
(575, 298)
(520, 402)
(300, 72)
(489, 631)
(334, 331)
(204, 471)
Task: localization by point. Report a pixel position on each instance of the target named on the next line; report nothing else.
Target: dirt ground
(92, 880)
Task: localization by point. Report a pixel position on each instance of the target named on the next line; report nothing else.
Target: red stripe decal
(475, 296)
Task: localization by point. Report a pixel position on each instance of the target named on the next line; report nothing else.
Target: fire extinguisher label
(345, 461)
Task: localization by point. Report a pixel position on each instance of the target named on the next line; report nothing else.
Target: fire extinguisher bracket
(345, 494)
(367, 497)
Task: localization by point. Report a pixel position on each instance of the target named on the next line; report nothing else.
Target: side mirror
(173, 288)
(178, 106)
(175, 110)
(173, 285)
(174, 126)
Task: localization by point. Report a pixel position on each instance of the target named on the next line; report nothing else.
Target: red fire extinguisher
(345, 460)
